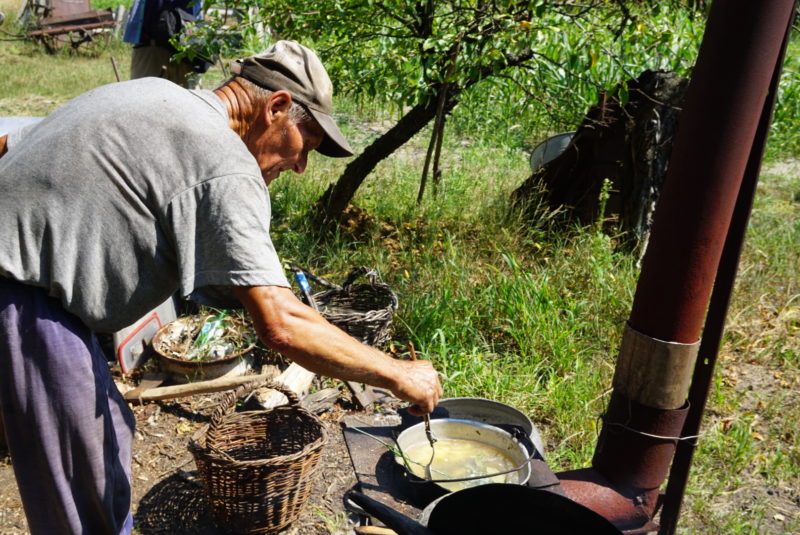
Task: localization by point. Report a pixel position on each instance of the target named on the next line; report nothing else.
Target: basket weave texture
(257, 467)
(364, 311)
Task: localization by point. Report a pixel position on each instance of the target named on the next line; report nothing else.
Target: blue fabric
(69, 431)
(133, 30)
(145, 12)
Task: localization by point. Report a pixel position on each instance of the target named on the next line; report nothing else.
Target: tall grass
(504, 313)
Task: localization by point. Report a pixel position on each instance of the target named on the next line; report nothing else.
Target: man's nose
(300, 166)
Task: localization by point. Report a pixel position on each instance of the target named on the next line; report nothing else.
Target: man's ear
(279, 102)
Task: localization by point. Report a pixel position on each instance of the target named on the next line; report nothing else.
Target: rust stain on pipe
(716, 130)
(628, 511)
(637, 443)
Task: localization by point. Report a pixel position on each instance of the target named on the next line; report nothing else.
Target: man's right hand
(418, 382)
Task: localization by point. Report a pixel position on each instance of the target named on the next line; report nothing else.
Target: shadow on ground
(175, 506)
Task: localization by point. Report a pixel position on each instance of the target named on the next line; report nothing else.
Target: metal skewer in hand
(427, 419)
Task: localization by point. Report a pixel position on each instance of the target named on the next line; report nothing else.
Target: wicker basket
(364, 311)
(257, 467)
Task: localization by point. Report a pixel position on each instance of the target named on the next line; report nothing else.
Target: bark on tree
(627, 144)
(336, 198)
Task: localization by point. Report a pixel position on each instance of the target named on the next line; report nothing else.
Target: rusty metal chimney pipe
(715, 138)
(717, 310)
(716, 129)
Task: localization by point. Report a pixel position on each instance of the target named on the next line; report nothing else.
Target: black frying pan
(495, 508)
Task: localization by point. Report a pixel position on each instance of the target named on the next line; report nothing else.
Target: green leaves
(623, 93)
(546, 60)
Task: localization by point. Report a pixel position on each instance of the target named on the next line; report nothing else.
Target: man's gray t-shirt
(131, 192)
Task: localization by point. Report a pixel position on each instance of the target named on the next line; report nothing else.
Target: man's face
(280, 144)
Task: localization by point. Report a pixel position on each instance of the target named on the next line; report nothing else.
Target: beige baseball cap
(288, 65)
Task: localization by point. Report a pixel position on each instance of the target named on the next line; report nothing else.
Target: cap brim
(334, 144)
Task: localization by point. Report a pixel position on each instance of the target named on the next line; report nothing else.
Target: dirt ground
(753, 383)
(167, 494)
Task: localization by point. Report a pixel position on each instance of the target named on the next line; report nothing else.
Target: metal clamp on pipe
(633, 453)
(653, 372)
(637, 443)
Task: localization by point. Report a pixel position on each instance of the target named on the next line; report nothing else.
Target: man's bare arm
(3, 145)
(299, 332)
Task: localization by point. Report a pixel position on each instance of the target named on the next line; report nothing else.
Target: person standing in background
(150, 26)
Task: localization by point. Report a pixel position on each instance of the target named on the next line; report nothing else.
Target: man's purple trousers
(69, 430)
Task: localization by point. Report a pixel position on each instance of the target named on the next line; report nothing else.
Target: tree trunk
(336, 198)
(627, 144)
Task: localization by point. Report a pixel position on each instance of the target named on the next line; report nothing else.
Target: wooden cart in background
(56, 23)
